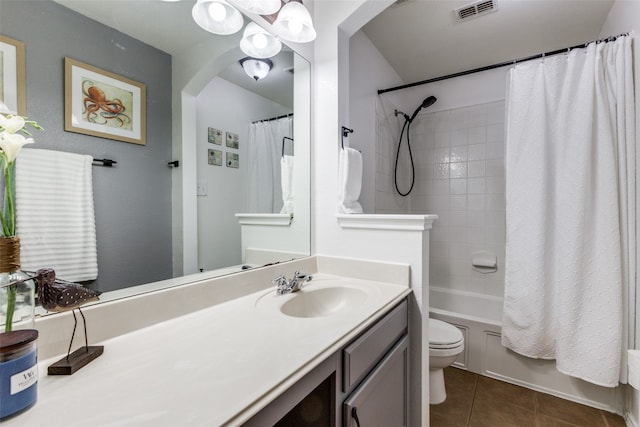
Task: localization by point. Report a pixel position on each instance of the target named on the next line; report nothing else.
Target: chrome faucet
(285, 286)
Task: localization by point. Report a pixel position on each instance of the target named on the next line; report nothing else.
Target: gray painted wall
(132, 199)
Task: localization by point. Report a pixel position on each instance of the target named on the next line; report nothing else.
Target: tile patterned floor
(477, 401)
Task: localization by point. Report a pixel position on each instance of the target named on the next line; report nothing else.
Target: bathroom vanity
(364, 383)
(246, 357)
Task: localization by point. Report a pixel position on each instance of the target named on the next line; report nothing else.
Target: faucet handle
(302, 276)
(282, 283)
(279, 279)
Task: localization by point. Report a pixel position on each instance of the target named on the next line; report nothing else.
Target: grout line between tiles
(473, 400)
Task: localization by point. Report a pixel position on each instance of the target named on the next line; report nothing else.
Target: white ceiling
(421, 39)
(168, 26)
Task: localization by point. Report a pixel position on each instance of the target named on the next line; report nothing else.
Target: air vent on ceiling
(475, 9)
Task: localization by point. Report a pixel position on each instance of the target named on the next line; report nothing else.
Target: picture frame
(233, 160)
(214, 136)
(103, 104)
(233, 140)
(13, 95)
(214, 157)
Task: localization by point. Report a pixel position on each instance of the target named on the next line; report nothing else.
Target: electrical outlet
(202, 188)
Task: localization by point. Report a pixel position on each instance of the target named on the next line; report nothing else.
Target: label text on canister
(23, 380)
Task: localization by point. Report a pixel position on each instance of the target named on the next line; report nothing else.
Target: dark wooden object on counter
(57, 296)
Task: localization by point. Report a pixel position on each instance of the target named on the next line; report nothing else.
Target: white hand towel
(286, 180)
(349, 181)
(55, 213)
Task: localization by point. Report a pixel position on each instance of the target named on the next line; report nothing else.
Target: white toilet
(445, 344)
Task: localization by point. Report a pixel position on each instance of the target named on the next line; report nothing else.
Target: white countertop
(217, 366)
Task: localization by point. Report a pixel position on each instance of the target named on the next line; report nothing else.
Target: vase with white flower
(17, 299)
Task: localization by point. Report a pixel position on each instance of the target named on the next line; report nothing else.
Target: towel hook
(345, 133)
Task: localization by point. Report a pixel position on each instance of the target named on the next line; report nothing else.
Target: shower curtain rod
(273, 118)
(502, 64)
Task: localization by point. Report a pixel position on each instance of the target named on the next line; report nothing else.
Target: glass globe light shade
(217, 16)
(258, 43)
(256, 68)
(294, 23)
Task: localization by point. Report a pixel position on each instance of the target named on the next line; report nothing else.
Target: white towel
(55, 213)
(349, 181)
(286, 181)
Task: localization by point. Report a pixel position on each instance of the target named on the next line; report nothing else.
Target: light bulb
(295, 26)
(217, 12)
(259, 41)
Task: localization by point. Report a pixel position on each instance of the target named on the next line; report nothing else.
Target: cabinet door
(382, 399)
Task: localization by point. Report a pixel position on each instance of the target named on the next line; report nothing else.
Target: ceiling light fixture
(217, 16)
(260, 7)
(256, 68)
(259, 43)
(294, 23)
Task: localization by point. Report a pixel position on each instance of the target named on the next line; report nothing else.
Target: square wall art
(215, 157)
(214, 136)
(233, 140)
(233, 160)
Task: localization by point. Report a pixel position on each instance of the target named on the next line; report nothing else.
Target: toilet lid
(443, 335)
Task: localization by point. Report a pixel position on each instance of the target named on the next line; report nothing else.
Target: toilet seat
(443, 336)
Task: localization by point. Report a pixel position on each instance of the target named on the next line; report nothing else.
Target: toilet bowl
(445, 344)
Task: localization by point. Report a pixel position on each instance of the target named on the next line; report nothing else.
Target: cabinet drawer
(362, 355)
(382, 399)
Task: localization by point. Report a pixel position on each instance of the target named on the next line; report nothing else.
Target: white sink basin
(316, 300)
(323, 302)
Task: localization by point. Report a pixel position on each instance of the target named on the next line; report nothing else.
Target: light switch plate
(202, 188)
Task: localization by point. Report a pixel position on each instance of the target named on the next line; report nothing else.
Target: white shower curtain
(570, 171)
(264, 191)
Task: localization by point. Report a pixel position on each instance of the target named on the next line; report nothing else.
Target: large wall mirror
(155, 222)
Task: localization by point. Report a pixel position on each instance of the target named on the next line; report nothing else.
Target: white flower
(11, 124)
(12, 143)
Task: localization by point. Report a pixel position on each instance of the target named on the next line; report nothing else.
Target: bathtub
(479, 319)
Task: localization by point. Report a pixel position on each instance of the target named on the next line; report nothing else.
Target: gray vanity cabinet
(367, 379)
(376, 376)
(382, 399)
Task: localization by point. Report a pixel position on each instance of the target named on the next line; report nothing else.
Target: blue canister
(18, 371)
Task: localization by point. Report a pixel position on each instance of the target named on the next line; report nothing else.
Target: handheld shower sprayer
(427, 102)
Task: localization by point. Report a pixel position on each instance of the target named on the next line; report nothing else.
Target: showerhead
(428, 102)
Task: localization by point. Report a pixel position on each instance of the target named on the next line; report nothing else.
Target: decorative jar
(17, 301)
(18, 371)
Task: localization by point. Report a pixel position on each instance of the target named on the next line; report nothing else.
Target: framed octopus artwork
(101, 103)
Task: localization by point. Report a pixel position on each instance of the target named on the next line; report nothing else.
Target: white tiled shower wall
(459, 163)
